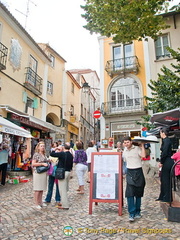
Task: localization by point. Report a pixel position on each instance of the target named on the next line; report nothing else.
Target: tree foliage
(125, 20)
(165, 90)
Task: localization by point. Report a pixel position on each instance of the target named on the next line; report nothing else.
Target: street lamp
(87, 89)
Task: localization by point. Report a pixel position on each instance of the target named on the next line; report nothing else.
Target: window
(122, 56)
(72, 87)
(81, 110)
(52, 60)
(125, 93)
(160, 46)
(72, 110)
(85, 113)
(29, 106)
(49, 88)
(33, 63)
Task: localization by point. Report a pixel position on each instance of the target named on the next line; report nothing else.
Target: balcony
(3, 56)
(135, 105)
(33, 82)
(122, 66)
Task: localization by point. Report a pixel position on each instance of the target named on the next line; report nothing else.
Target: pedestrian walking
(39, 179)
(80, 160)
(89, 152)
(166, 163)
(135, 181)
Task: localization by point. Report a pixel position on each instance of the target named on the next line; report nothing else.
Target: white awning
(50, 126)
(11, 128)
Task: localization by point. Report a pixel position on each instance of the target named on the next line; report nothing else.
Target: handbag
(60, 172)
(41, 169)
(50, 170)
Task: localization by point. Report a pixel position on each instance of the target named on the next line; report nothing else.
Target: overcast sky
(59, 23)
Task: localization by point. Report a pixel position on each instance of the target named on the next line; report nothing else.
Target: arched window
(125, 93)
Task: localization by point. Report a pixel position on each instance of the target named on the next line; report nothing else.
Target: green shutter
(35, 103)
(24, 97)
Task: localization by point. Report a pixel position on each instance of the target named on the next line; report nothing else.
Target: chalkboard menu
(106, 179)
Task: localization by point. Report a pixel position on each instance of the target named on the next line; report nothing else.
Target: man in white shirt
(134, 177)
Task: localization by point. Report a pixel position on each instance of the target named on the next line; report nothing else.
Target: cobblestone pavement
(19, 220)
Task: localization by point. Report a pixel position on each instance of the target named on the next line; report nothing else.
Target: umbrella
(169, 119)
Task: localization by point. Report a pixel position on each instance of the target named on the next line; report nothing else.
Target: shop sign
(12, 131)
(73, 129)
(72, 119)
(126, 126)
(27, 122)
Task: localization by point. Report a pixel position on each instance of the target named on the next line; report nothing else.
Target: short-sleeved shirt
(39, 158)
(80, 157)
(89, 152)
(133, 157)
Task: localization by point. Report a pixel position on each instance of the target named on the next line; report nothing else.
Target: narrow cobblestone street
(19, 220)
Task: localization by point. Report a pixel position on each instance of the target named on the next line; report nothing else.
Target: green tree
(125, 20)
(165, 90)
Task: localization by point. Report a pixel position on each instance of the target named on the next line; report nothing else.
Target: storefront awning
(169, 118)
(11, 128)
(50, 126)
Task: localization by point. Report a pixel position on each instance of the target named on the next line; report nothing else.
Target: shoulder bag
(41, 169)
(60, 172)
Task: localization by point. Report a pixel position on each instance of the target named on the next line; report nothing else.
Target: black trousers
(166, 189)
(3, 169)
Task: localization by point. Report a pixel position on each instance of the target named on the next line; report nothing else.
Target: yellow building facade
(31, 78)
(123, 86)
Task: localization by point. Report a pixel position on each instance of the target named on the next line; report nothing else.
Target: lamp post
(87, 89)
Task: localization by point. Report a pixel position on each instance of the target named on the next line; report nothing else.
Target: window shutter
(24, 97)
(35, 103)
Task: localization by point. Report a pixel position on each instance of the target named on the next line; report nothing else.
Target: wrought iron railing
(127, 64)
(122, 106)
(33, 81)
(3, 56)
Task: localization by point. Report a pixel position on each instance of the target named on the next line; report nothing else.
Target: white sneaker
(131, 219)
(44, 205)
(138, 216)
(38, 207)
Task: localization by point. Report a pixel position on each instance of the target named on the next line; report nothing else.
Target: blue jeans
(134, 205)
(50, 190)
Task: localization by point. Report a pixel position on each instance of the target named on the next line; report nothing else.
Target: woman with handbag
(39, 179)
(65, 163)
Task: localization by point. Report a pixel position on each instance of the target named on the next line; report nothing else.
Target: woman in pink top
(176, 157)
